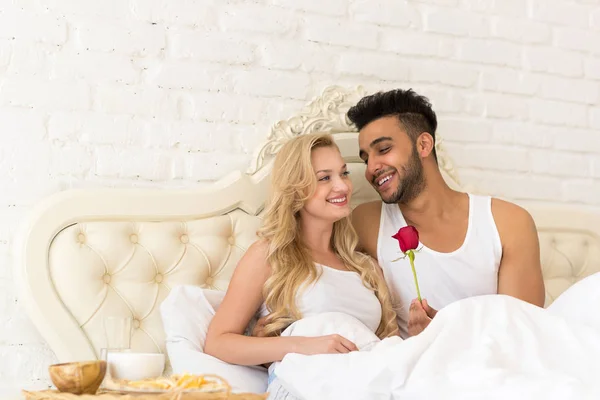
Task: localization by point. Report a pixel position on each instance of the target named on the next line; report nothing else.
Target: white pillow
(186, 314)
(334, 323)
(579, 302)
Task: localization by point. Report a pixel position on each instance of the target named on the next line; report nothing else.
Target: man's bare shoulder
(511, 219)
(507, 213)
(365, 219)
(368, 209)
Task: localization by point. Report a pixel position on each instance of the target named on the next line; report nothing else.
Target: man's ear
(425, 144)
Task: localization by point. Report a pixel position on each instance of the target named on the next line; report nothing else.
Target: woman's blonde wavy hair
(293, 183)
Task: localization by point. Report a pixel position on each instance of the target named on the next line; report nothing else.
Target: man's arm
(520, 273)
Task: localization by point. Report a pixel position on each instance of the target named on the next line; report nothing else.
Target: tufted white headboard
(86, 254)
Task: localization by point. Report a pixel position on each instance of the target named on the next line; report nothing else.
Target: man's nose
(373, 167)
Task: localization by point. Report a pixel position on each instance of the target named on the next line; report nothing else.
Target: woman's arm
(225, 339)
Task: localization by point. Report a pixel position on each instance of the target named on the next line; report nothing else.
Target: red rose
(408, 238)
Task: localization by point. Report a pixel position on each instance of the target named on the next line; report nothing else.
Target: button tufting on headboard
(137, 270)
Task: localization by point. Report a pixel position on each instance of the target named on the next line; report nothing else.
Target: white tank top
(338, 291)
(443, 278)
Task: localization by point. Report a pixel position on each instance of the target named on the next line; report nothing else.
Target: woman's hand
(330, 344)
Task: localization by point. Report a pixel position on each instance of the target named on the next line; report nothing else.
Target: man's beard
(411, 184)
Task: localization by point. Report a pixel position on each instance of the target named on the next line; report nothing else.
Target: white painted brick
(26, 160)
(574, 90)
(212, 166)
(503, 106)
(338, 32)
(561, 12)
(576, 140)
(257, 18)
(21, 124)
(130, 38)
(547, 162)
(506, 80)
(465, 130)
(91, 127)
(330, 7)
(186, 74)
(491, 52)
(443, 100)
(512, 8)
(228, 107)
(31, 59)
(415, 43)
(15, 193)
(386, 12)
(577, 39)
(5, 54)
(142, 101)
(439, 2)
(558, 113)
(595, 117)
(292, 55)
(386, 66)
(522, 134)
(454, 74)
(581, 191)
(19, 362)
(495, 158)
(210, 46)
(595, 19)
(457, 22)
(150, 164)
(47, 95)
(176, 12)
(70, 160)
(18, 23)
(104, 9)
(513, 186)
(596, 166)
(554, 61)
(17, 328)
(521, 30)
(592, 68)
(195, 136)
(94, 67)
(263, 82)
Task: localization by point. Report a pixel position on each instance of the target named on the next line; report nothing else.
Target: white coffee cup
(135, 366)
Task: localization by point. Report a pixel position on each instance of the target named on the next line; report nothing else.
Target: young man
(469, 245)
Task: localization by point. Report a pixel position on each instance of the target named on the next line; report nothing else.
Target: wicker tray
(111, 395)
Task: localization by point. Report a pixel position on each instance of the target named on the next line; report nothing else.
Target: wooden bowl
(82, 377)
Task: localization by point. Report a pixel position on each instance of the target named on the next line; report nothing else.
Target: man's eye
(384, 150)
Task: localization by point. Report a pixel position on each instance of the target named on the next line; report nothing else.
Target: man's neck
(436, 202)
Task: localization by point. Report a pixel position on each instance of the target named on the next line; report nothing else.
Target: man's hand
(420, 315)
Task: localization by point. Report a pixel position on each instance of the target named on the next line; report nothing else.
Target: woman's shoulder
(258, 252)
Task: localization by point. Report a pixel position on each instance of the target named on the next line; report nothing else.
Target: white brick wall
(155, 93)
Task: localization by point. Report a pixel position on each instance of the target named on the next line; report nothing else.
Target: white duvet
(489, 347)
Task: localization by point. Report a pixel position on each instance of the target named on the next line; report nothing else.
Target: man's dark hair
(413, 111)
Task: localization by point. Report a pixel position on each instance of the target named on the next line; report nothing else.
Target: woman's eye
(325, 178)
(346, 173)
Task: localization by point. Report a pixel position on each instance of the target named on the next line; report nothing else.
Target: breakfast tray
(112, 395)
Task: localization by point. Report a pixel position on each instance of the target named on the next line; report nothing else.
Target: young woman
(303, 264)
